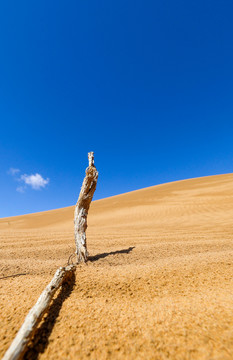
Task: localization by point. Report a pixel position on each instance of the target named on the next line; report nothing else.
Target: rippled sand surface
(158, 284)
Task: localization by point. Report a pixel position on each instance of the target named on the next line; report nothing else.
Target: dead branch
(82, 207)
(27, 330)
(25, 333)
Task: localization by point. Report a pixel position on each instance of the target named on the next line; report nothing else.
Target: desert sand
(158, 284)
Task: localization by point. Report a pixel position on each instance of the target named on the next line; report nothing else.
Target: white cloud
(13, 171)
(20, 189)
(36, 181)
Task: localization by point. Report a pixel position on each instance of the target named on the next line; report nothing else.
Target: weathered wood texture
(82, 207)
(25, 333)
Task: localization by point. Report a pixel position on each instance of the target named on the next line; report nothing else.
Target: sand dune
(158, 286)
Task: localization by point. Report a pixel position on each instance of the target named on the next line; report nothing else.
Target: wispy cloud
(13, 171)
(35, 181)
(20, 189)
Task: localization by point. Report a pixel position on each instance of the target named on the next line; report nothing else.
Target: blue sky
(146, 85)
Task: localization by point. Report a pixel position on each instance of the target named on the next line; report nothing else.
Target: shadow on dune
(41, 338)
(102, 256)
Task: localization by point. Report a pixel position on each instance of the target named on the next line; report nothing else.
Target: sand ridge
(158, 286)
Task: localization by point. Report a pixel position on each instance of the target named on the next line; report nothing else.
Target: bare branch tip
(91, 158)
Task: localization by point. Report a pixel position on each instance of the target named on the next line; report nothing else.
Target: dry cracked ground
(158, 284)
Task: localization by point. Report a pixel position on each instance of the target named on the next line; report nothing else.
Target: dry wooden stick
(82, 207)
(25, 333)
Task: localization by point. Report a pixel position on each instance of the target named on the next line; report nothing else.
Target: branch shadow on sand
(104, 255)
(40, 339)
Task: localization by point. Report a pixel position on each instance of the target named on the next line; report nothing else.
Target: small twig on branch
(14, 275)
(70, 259)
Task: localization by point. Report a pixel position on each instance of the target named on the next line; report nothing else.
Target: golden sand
(159, 284)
